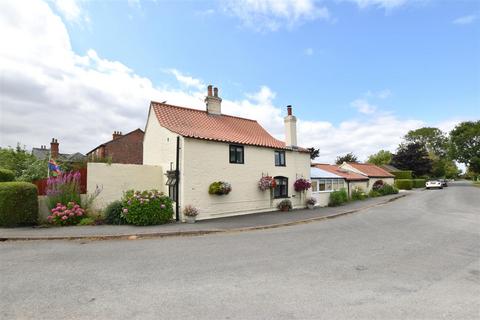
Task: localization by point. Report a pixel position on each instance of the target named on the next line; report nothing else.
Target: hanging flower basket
(220, 188)
(302, 185)
(267, 183)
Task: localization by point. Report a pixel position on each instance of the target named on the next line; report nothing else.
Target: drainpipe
(177, 175)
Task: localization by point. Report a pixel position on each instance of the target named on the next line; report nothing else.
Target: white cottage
(323, 183)
(199, 147)
(372, 172)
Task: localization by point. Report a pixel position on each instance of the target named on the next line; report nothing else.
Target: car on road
(444, 182)
(437, 184)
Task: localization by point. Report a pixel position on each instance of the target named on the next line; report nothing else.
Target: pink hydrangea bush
(64, 215)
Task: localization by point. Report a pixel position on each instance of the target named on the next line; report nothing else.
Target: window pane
(232, 154)
(314, 185)
(239, 155)
(328, 185)
(321, 185)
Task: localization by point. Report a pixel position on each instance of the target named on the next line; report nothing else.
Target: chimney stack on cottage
(116, 135)
(290, 129)
(213, 101)
(54, 148)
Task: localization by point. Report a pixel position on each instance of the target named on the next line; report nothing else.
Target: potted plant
(302, 185)
(311, 203)
(266, 183)
(190, 213)
(219, 188)
(285, 205)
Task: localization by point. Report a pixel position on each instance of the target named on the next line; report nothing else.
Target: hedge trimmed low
(6, 175)
(404, 184)
(419, 183)
(18, 204)
(405, 174)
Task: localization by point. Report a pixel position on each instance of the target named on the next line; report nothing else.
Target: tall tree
(381, 157)
(413, 156)
(465, 144)
(433, 139)
(349, 157)
(16, 159)
(314, 152)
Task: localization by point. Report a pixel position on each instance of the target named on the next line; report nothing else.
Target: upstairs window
(280, 158)
(236, 154)
(281, 190)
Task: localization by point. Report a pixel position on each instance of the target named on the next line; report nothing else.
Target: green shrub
(87, 221)
(337, 198)
(374, 193)
(419, 183)
(18, 204)
(406, 174)
(404, 184)
(143, 208)
(6, 175)
(358, 194)
(113, 213)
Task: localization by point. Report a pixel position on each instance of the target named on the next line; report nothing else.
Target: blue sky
(359, 73)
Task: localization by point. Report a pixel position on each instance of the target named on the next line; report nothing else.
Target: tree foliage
(434, 140)
(314, 153)
(413, 156)
(381, 157)
(465, 144)
(17, 159)
(349, 157)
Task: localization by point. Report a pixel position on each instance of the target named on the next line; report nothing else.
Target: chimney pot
(215, 92)
(116, 135)
(209, 92)
(289, 110)
(54, 148)
(213, 102)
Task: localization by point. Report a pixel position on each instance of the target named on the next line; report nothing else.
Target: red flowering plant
(302, 185)
(266, 183)
(64, 215)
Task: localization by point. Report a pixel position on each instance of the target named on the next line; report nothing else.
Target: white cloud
(50, 91)
(187, 81)
(385, 4)
(71, 10)
(465, 19)
(363, 106)
(271, 15)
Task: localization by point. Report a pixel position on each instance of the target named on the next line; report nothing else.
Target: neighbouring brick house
(43, 153)
(123, 148)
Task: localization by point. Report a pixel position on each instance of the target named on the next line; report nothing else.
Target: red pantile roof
(371, 170)
(199, 124)
(347, 175)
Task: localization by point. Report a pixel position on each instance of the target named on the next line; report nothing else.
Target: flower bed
(64, 215)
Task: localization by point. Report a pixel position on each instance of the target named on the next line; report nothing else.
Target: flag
(54, 168)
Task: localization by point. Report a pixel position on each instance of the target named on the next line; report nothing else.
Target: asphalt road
(415, 258)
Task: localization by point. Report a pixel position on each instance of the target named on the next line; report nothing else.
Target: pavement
(414, 258)
(230, 224)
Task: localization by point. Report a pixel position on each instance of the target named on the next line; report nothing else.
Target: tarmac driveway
(415, 258)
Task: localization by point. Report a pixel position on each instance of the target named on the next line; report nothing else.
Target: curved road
(415, 258)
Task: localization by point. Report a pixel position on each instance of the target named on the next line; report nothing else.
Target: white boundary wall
(117, 178)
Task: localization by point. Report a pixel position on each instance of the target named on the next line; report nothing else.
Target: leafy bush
(18, 204)
(190, 211)
(302, 185)
(143, 208)
(419, 183)
(337, 198)
(219, 188)
(374, 193)
(63, 189)
(6, 175)
(405, 174)
(404, 184)
(358, 194)
(66, 215)
(285, 205)
(87, 221)
(113, 213)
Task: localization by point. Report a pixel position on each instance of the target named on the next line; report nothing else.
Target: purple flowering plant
(302, 185)
(63, 189)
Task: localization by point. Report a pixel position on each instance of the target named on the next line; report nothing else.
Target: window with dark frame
(281, 190)
(280, 158)
(236, 154)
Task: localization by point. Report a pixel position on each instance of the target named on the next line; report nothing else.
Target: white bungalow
(324, 183)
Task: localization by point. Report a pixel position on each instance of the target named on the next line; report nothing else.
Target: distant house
(372, 172)
(196, 148)
(123, 148)
(323, 183)
(352, 179)
(43, 153)
(389, 168)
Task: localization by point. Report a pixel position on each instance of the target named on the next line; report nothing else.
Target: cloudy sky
(359, 73)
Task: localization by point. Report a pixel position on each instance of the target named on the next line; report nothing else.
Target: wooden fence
(42, 183)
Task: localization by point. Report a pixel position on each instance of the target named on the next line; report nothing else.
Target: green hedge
(419, 183)
(406, 174)
(337, 198)
(18, 204)
(404, 184)
(113, 213)
(6, 175)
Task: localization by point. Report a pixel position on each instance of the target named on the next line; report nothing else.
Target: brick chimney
(54, 148)
(290, 128)
(116, 135)
(213, 101)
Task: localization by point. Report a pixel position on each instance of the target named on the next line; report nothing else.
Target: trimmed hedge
(419, 183)
(6, 175)
(404, 184)
(18, 204)
(405, 174)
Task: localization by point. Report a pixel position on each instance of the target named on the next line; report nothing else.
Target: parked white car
(434, 184)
